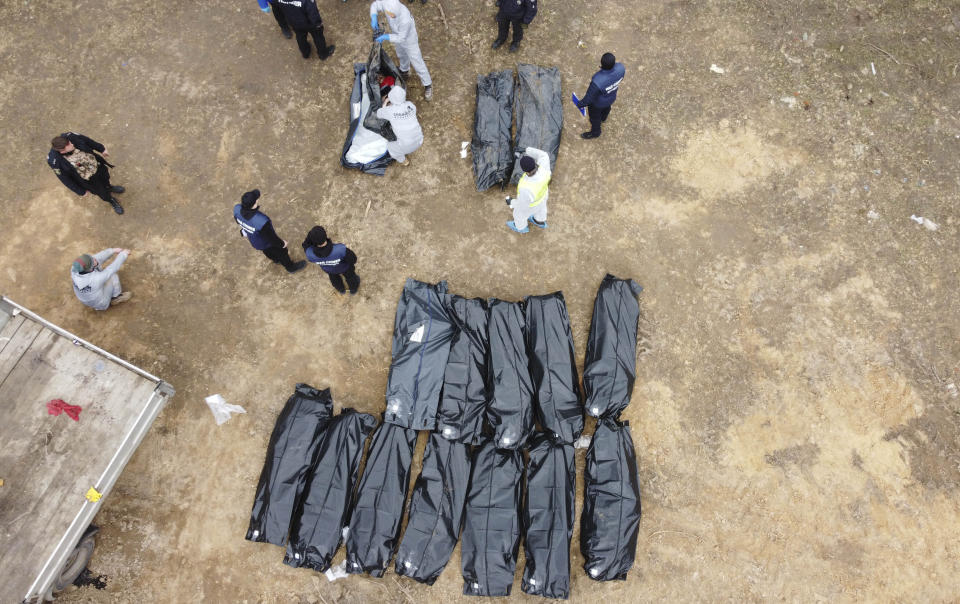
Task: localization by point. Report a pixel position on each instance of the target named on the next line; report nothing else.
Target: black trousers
(280, 255)
(318, 39)
(278, 15)
(503, 24)
(99, 183)
(597, 115)
(353, 282)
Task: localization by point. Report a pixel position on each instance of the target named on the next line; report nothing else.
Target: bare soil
(797, 431)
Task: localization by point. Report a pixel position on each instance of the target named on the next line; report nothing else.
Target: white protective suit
(99, 286)
(403, 34)
(402, 115)
(521, 203)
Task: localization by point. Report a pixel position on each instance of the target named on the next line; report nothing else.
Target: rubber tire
(76, 562)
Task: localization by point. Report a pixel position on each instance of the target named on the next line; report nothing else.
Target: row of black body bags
(610, 522)
(304, 491)
(422, 336)
(439, 495)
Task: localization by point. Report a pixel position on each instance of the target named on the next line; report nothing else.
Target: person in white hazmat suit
(404, 37)
(402, 115)
(98, 287)
(532, 192)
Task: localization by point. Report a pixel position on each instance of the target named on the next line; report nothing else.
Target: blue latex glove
(382, 38)
(264, 6)
(373, 22)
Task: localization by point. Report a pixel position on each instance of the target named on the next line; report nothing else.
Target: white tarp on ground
(366, 145)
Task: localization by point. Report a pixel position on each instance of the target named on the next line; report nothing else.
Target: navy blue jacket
(333, 258)
(602, 91)
(301, 15)
(518, 9)
(256, 227)
(64, 169)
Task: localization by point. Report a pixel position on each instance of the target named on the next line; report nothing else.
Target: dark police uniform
(256, 227)
(337, 260)
(281, 20)
(516, 12)
(98, 184)
(303, 17)
(601, 94)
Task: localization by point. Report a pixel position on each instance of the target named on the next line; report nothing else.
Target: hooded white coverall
(402, 115)
(526, 203)
(99, 286)
(403, 34)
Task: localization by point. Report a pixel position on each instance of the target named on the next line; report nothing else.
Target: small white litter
(716, 69)
(791, 101)
(926, 222)
(463, 149)
(221, 408)
(872, 215)
(337, 572)
(583, 442)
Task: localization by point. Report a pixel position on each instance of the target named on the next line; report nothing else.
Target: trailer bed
(48, 463)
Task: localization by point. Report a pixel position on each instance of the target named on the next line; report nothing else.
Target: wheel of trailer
(75, 563)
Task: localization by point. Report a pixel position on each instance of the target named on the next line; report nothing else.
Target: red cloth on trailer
(57, 406)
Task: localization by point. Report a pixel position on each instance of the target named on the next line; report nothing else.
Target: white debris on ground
(221, 409)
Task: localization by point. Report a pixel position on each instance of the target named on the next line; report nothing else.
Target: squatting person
(96, 286)
(402, 115)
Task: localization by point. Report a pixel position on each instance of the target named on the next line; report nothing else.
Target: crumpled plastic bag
(221, 408)
(337, 572)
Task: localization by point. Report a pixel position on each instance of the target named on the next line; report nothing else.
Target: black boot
(328, 52)
(296, 266)
(117, 189)
(116, 205)
(497, 43)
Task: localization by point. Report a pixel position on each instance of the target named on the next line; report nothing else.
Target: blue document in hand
(576, 101)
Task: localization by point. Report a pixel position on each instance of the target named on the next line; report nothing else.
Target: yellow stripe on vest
(538, 189)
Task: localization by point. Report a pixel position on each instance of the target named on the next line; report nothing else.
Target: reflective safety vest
(537, 188)
(330, 264)
(251, 227)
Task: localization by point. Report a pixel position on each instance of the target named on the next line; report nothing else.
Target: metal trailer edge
(42, 587)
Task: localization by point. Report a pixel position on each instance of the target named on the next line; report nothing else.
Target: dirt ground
(796, 412)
